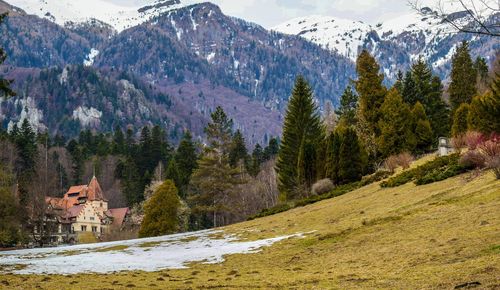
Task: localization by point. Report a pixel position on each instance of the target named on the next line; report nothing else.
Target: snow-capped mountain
(119, 16)
(396, 42)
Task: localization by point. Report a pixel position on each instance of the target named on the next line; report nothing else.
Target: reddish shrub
(404, 160)
(458, 143)
(491, 152)
(391, 163)
(473, 139)
(473, 159)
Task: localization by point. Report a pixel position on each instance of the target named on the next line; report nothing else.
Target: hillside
(442, 235)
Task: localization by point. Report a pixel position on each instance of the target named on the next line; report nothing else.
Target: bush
(323, 186)
(377, 176)
(404, 160)
(394, 161)
(272, 211)
(458, 143)
(491, 152)
(391, 163)
(436, 170)
(473, 159)
(473, 139)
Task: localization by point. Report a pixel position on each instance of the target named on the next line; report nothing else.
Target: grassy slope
(434, 236)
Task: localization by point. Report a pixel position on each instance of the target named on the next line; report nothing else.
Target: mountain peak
(119, 16)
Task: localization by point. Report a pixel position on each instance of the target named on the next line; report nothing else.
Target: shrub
(458, 143)
(473, 139)
(436, 170)
(404, 160)
(473, 159)
(491, 152)
(271, 211)
(323, 186)
(391, 163)
(377, 176)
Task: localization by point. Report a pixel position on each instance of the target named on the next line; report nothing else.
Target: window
(94, 229)
(100, 204)
(84, 228)
(92, 218)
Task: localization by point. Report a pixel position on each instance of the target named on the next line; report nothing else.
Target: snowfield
(151, 254)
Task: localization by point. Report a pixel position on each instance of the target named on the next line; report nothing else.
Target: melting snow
(152, 254)
(211, 56)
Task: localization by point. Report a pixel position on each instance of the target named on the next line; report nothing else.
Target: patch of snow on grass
(152, 254)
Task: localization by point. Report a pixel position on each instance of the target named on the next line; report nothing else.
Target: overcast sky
(269, 13)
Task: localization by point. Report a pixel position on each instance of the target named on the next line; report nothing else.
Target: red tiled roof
(76, 189)
(74, 211)
(118, 215)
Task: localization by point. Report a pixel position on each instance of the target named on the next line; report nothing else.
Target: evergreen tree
(238, 151)
(301, 133)
(257, 159)
(9, 211)
(481, 68)
(186, 159)
(212, 183)
(272, 149)
(463, 77)
(25, 140)
(119, 146)
(460, 125)
(399, 83)
(395, 125)
(409, 92)
(160, 149)
(161, 212)
(422, 129)
(437, 110)
(350, 165)
(219, 131)
(5, 90)
(332, 156)
(370, 89)
(348, 107)
(484, 114)
(172, 173)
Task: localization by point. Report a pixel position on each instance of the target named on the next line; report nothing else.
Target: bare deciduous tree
(482, 16)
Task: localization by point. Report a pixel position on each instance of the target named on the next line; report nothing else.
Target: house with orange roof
(82, 211)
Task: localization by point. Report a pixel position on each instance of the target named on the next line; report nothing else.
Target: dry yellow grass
(436, 236)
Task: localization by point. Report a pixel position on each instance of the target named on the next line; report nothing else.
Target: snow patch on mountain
(119, 16)
(90, 58)
(340, 35)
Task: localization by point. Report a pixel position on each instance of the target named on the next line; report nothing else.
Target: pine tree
(213, 182)
(350, 163)
(9, 211)
(302, 131)
(460, 125)
(5, 90)
(161, 212)
(186, 159)
(370, 89)
(395, 125)
(409, 92)
(481, 68)
(272, 149)
(238, 150)
(484, 112)
(219, 131)
(119, 146)
(172, 173)
(257, 159)
(422, 129)
(348, 107)
(437, 110)
(463, 77)
(332, 157)
(26, 145)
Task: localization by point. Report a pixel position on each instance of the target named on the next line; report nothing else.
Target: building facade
(82, 212)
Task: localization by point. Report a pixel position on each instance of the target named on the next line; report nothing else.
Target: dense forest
(196, 185)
